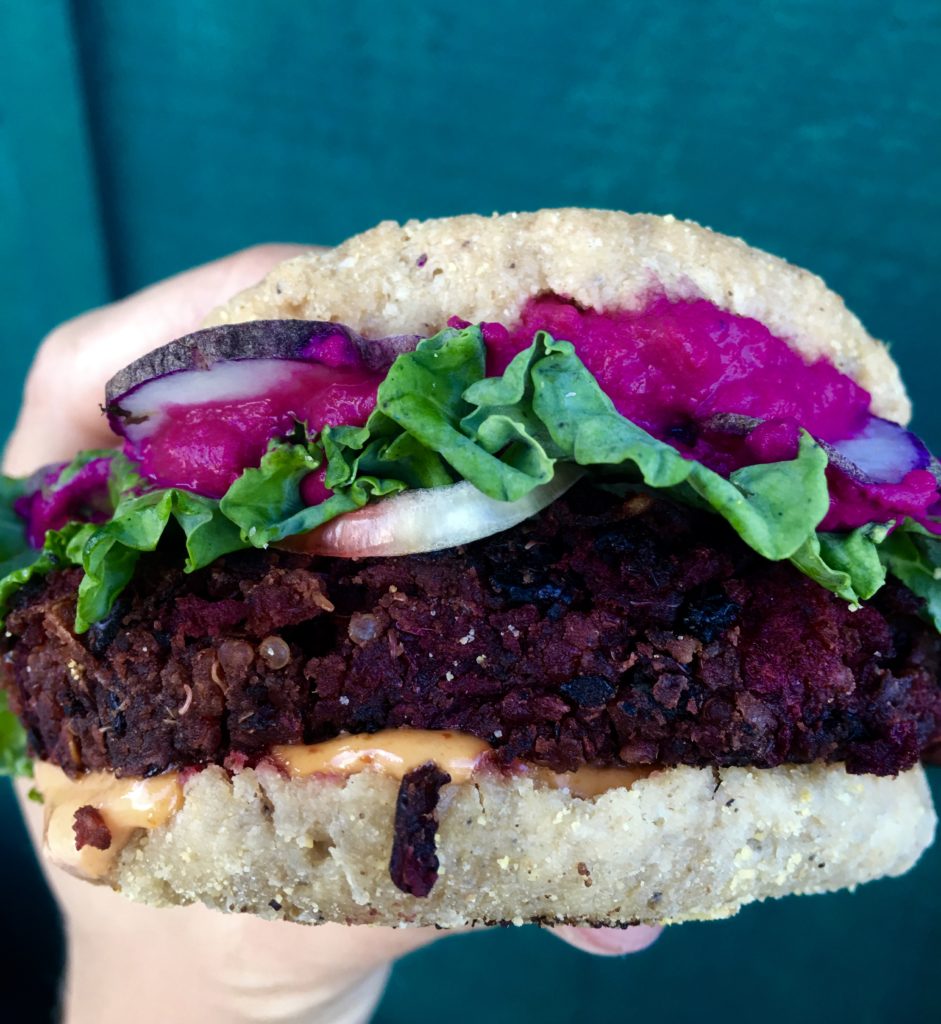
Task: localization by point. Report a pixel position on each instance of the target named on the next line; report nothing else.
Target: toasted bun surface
(408, 279)
(672, 847)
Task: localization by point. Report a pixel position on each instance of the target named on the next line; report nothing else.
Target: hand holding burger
(223, 968)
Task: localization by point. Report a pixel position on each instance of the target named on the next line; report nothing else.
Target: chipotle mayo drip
(396, 752)
(393, 752)
(126, 805)
(129, 804)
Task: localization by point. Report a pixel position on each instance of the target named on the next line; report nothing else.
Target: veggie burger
(561, 567)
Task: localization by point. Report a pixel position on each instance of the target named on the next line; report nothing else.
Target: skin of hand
(190, 964)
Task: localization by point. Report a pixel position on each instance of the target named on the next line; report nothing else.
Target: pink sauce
(854, 504)
(672, 367)
(676, 363)
(204, 447)
(680, 370)
(84, 498)
(314, 489)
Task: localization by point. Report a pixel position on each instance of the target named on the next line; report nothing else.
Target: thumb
(609, 941)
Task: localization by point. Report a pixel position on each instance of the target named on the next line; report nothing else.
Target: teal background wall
(138, 139)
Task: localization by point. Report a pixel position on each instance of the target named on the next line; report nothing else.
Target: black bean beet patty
(604, 631)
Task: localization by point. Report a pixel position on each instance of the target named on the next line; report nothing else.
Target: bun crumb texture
(682, 844)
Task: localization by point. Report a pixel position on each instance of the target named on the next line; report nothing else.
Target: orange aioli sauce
(396, 752)
(128, 805)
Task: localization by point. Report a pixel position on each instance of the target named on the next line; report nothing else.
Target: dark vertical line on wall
(83, 45)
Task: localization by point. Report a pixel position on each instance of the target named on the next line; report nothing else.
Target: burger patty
(606, 630)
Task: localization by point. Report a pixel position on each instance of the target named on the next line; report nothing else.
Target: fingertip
(609, 941)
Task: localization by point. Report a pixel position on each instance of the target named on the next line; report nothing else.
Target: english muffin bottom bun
(559, 567)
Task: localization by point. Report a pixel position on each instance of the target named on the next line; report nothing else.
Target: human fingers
(61, 406)
(237, 967)
(609, 941)
(225, 967)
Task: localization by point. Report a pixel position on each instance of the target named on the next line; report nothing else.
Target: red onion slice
(428, 520)
(198, 411)
(882, 453)
(313, 341)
